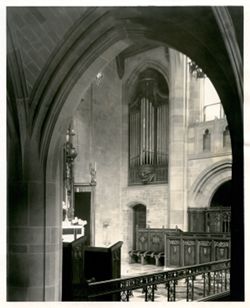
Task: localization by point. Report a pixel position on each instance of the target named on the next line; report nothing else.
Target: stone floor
(134, 269)
(130, 270)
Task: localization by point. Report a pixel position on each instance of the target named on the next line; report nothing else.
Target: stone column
(196, 98)
(34, 238)
(177, 143)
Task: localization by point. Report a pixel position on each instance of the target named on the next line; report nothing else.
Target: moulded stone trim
(208, 181)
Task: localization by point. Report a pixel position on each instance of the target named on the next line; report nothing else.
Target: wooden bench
(159, 258)
(146, 257)
(149, 248)
(135, 256)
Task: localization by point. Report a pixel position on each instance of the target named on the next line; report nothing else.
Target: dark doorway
(83, 211)
(139, 219)
(222, 196)
(219, 218)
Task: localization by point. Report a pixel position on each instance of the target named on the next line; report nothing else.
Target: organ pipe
(149, 132)
(145, 134)
(149, 129)
(146, 129)
(130, 136)
(158, 136)
(133, 144)
(152, 132)
(164, 135)
(136, 133)
(131, 141)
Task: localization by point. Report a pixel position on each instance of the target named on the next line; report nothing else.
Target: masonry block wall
(97, 124)
(101, 125)
(83, 140)
(200, 160)
(154, 196)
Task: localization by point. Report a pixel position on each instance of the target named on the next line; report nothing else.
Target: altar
(71, 233)
(72, 230)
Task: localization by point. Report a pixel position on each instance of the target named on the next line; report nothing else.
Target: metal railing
(191, 283)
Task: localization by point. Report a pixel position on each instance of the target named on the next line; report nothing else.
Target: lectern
(84, 263)
(103, 263)
(73, 274)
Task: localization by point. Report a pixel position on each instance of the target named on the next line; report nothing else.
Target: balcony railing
(190, 283)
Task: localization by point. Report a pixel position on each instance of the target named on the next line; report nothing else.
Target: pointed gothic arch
(78, 59)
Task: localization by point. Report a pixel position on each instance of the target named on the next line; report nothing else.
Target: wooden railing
(190, 283)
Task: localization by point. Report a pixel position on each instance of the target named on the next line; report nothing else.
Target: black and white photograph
(123, 134)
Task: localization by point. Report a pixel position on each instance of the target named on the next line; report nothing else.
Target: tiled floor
(135, 269)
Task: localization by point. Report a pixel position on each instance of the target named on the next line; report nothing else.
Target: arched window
(206, 140)
(226, 138)
(148, 130)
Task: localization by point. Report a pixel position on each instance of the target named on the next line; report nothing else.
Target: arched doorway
(211, 199)
(222, 195)
(139, 219)
(220, 209)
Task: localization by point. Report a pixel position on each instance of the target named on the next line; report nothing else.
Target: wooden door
(139, 220)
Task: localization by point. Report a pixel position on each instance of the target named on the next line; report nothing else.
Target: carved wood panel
(142, 241)
(156, 241)
(205, 253)
(189, 253)
(174, 253)
(221, 250)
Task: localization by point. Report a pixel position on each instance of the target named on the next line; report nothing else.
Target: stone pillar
(196, 98)
(34, 241)
(177, 143)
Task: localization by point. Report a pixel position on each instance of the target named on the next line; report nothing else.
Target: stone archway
(133, 76)
(222, 196)
(91, 46)
(207, 183)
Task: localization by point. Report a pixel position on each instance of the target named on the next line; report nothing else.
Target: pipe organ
(148, 130)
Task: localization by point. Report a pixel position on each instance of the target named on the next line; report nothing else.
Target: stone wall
(201, 162)
(101, 124)
(154, 196)
(97, 124)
